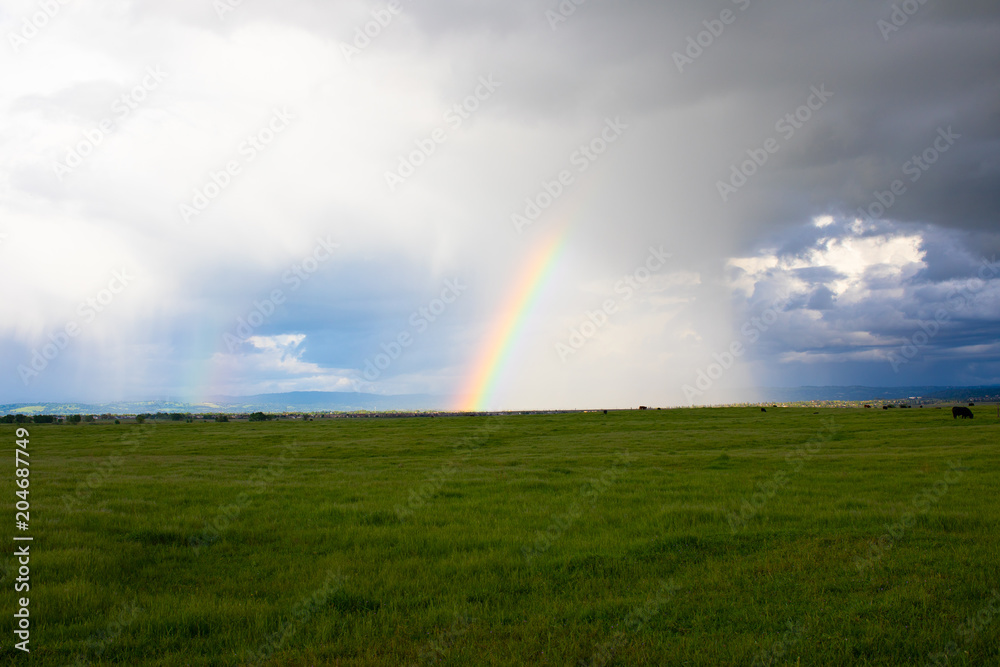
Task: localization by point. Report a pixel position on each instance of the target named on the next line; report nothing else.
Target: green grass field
(675, 537)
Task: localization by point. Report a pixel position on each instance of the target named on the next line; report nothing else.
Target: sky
(506, 204)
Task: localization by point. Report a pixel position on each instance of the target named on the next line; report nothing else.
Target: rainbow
(495, 355)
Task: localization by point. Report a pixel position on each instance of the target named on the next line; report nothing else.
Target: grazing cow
(763, 409)
(964, 413)
(643, 407)
(867, 406)
(885, 407)
(605, 412)
(972, 405)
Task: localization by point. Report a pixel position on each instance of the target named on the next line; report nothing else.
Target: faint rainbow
(516, 312)
(211, 371)
(208, 371)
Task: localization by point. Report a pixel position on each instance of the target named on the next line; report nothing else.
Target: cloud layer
(304, 178)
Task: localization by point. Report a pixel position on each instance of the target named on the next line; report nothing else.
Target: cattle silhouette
(964, 413)
(867, 406)
(972, 405)
(763, 409)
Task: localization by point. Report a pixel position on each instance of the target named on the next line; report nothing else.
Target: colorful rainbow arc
(516, 312)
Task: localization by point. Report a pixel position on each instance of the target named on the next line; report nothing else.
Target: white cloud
(857, 292)
(894, 257)
(325, 175)
(274, 364)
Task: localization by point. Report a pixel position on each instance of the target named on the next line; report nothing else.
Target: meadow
(721, 536)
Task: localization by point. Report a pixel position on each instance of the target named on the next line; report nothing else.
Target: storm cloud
(831, 165)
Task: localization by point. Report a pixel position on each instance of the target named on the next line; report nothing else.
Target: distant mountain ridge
(336, 401)
(859, 393)
(297, 401)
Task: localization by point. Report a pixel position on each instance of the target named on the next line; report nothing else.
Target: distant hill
(855, 393)
(298, 401)
(337, 401)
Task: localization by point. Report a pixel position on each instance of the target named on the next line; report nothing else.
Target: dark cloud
(914, 298)
(873, 204)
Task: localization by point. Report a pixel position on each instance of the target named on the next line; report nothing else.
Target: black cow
(972, 405)
(643, 407)
(867, 406)
(763, 409)
(964, 413)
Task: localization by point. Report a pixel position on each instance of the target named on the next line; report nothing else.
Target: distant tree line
(166, 416)
(15, 419)
(34, 419)
(77, 419)
(184, 417)
(171, 416)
